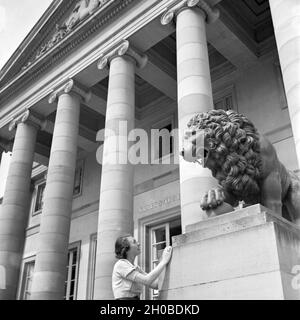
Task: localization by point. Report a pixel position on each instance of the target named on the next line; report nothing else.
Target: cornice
(70, 42)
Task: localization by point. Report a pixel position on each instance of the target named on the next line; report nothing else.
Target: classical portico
(115, 66)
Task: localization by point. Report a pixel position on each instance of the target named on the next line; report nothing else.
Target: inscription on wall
(155, 204)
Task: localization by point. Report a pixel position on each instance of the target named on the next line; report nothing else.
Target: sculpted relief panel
(81, 10)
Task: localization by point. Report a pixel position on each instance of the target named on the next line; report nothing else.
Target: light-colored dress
(123, 279)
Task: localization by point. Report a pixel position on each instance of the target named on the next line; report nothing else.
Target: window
(28, 270)
(78, 179)
(92, 265)
(224, 103)
(72, 272)
(225, 99)
(163, 141)
(160, 236)
(161, 151)
(38, 197)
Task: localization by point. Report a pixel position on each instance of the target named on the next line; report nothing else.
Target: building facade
(93, 65)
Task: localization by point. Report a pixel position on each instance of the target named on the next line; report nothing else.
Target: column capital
(28, 117)
(70, 86)
(211, 14)
(124, 48)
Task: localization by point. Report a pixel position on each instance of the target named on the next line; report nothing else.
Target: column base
(245, 254)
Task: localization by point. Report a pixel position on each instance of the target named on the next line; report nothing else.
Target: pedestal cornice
(122, 49)
(211, 14)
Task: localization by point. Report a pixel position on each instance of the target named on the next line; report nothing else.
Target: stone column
(15, 206)
(116, 191)
(53, 239)
(194, 96)
(286, 21)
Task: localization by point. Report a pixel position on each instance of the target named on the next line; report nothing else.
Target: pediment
(59, 21)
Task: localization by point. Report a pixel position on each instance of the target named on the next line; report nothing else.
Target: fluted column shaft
(15, 207)
(286, 21)
(53, 239)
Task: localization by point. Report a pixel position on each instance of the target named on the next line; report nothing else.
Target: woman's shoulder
(123, 263)
(123, 267)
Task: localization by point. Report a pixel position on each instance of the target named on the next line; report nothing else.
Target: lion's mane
(233, 143)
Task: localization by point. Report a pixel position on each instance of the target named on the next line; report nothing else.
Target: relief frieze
(81, 10)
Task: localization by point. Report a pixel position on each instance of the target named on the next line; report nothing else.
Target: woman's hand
(167, 254)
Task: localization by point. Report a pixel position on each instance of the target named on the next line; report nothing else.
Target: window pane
(39, 197)
(159, 235)
(157, 241)
(71, 276)
(72, 287)
(27, 280)
(158, 250)
(73, 272)
(228, 103)
(74, 257)
(161, 151)
(219, 105)
(78, 179)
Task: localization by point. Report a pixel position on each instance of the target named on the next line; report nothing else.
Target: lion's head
(228, 144)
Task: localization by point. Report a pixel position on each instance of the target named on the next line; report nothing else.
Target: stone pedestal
(246, 254)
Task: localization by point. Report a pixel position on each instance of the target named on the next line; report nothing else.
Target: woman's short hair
(122, 246)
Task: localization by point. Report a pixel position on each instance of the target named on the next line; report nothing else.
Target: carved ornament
(68, 87)
(212, 14)
(29, 117)
(122, 49)
(82, 9)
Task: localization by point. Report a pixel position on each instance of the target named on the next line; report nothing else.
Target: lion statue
(243, 161)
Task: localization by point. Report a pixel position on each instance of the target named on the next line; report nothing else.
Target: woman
(127, 278)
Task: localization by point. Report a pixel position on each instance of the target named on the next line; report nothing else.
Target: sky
(5, 162)
(17, 17)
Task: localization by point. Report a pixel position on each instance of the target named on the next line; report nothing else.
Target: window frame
(159, 125)
(154, 262)
(223, 93)
(80, 166)
(37, 184)
(72, 246)
(144, 224)
(23, 278)
(91, 267)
